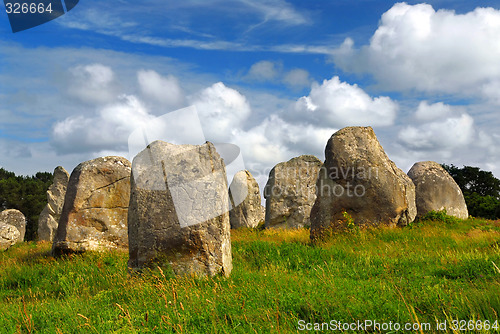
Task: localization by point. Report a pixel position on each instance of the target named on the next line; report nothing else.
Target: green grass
(441, 269)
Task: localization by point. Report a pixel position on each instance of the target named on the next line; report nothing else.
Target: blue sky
(274, 77)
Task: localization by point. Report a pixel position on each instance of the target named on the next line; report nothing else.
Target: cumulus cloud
(275, 140)
(491, 91)
(297, 78)
(439, 133)
(338, 104)
(264, 71)
(165, 90)
(418, 48)
(222, 110)
(223, 114)
(108, 129)
(266, 138)
(429, 112)
(273, 71)
(92, 83)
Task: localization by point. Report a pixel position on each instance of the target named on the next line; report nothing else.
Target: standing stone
(244, 194)
(290, 192)
(15, 218)
(94, 215)
(436, 190)
(178, 216)
(9, 235)
(49, 218)
(359, 185)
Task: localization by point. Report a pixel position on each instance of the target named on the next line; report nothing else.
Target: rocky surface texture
(94, 215)
(49, 217)
(15, 218)
(178, 216)
(9, 236)
(436, 190)
(244, 194)
(359, 186)
(290, 192)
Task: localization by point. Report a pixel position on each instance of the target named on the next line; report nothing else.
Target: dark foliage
(481, 190)
(26, 194)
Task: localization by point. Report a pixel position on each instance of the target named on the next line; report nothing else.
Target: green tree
(481, 190)
(26, 194)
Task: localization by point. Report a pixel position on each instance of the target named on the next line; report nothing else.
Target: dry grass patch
(270, 235)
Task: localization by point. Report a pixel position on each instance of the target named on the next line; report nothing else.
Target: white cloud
(242, 15)
(225, 45)
(108, 129)
(297, 78)
(264, 71)
(188, 43)
(429, 112)
(276, 140)
(95, 18)
(418, 48)
(92, 83)
(223, 113)
(491, 91)
(277, 10)
(165, 90)
(273, 71)
(337, 104)
(221, 110)
(444, 134)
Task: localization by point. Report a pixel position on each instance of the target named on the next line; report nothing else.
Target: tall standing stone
(290, 192)
(436, 190)
(15, 218)
(94, 215)
(178, 216)
(359, 185)
(244, 194)
(49, 218)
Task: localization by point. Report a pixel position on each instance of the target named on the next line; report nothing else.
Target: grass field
(435, 270)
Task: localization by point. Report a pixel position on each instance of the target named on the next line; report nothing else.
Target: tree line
(481, 190)
(26, 194)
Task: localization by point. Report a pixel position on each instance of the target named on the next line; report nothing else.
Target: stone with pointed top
(359, 186)
(49, 217)
(94, 215)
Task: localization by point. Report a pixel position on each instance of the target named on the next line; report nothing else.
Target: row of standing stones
(170, 206)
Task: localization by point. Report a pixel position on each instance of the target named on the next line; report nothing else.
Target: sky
(276, 78)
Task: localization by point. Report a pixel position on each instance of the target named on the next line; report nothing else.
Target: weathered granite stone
(9, 235)
(359, 185)
(436, 190)
(244, 194)
(290, 192)
(15, 218)
(49, 217)
(178, 216)
(94, 215)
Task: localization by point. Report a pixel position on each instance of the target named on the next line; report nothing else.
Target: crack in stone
(110, 184)
(109, 208)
